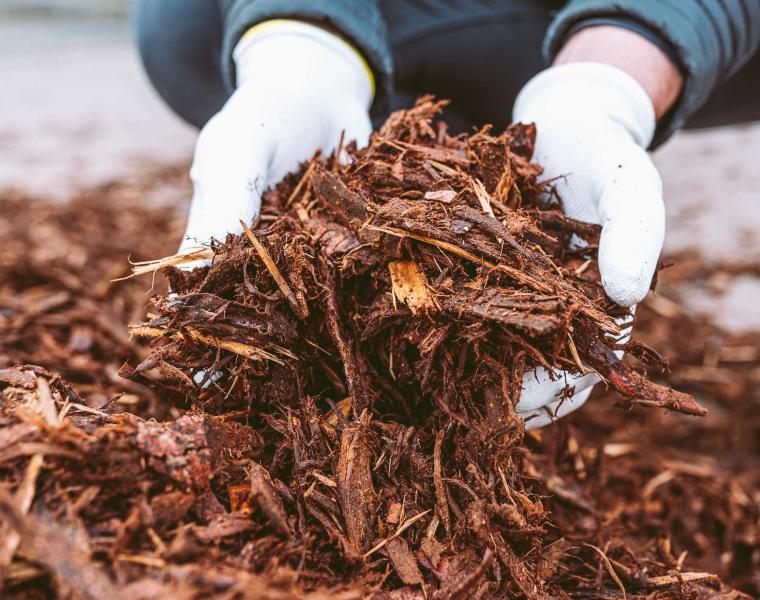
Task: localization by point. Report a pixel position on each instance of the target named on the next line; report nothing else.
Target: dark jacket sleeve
(709, 40)
(359, 21)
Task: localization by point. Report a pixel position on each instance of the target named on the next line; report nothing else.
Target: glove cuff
(588, 88)
(273, 42)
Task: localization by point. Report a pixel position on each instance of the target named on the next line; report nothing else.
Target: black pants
(477, 57)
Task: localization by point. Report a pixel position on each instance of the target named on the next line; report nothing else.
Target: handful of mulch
(373, 328)
(429, 260)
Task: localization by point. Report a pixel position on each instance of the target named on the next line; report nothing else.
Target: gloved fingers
(354, 123)
(633, 227)
(351, 123)
(188, 245)
(204, 380)
(251, 145)
(540, 396)
(191, 265)
(358, 130)
(229, 173)
(539, 389)
(569, 163)
(553, 411)
(626, 329)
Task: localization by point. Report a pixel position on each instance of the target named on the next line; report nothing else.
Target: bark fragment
(355, 489)
(263, 493)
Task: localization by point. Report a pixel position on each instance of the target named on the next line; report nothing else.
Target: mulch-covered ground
(327, 411)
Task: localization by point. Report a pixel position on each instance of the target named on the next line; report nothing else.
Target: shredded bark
(328, 410)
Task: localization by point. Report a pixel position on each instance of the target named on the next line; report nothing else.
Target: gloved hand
(299, 88)
(594, 123)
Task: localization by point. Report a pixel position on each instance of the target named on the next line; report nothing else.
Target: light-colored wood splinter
(233, 346)
(144, 267)
(483, 197)
(410, 286)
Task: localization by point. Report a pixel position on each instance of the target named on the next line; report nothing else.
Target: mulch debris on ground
(328, 410)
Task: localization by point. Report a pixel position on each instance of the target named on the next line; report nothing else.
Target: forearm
(629, 52)
(708, 41)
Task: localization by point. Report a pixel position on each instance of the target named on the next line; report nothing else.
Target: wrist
(632, 53)
(588, 92)
(294, 55)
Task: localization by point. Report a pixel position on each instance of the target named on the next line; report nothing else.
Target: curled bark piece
(346, 205)
(404, 562)
(440, 489)
(355, 490)
(262, 492)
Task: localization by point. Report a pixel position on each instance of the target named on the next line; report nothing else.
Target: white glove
(299, 88)
(594, 123)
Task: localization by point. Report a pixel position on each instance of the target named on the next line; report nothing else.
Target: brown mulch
(328, 410)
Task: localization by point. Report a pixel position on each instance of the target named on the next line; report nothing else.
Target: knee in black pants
(180, 45)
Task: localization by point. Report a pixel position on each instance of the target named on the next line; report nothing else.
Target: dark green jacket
(708, 39)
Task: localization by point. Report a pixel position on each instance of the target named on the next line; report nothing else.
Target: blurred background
(77, 111)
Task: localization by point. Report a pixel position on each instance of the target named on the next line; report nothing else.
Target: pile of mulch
(683, 492)
(58, 304)
(333, 400)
